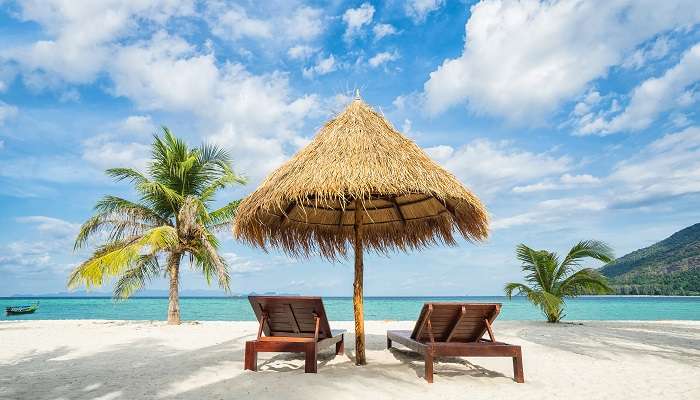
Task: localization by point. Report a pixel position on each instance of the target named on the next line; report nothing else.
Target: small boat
(21, 309)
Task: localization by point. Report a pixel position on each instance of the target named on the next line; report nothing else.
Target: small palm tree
(550, 281)
(171, 220)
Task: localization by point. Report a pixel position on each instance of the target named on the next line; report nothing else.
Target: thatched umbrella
(359, 183)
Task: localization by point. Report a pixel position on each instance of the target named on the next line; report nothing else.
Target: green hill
(669, 267)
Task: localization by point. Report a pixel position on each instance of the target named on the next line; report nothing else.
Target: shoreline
(115, 359)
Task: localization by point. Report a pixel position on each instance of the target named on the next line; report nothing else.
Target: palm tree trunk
(173, 294)
(357, 290)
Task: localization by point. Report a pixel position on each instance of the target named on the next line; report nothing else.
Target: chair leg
(518, 368)
(310, 363)
(251, 357)
(429, 366)
(340, 346)
(388, 342)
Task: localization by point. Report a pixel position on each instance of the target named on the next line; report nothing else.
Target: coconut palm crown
(550, 280)
(171, 220)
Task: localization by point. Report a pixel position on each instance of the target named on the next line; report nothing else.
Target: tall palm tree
(171, 220)
(550, 281)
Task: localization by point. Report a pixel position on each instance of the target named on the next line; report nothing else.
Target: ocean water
(340, 308)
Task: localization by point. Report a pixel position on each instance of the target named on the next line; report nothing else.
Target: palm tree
(550, 281)
(171, 220)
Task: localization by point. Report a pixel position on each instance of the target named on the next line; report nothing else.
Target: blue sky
(570, 119)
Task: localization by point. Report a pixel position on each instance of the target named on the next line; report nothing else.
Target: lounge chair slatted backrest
(291, 316)
(454, 322)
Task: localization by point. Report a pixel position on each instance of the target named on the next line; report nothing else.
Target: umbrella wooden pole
(357, 289)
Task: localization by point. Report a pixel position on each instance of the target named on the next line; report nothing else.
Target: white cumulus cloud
(382, 58)
(672, 90)
(54, 227)
(234, 22)
(356, 19)
(255, 116)
(79, 33)
(138, 124)
(322, 67)
(106, 151)
(383, 30)
(552, 211)
(654, 51)
(521, 60)
(566, 181)
(489, 167)
(300, 52)
(418, 10)
(666, 168)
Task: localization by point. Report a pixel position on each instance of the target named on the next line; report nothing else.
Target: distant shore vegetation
(681, 283)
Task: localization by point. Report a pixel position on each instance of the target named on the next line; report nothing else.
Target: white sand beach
(110, 360)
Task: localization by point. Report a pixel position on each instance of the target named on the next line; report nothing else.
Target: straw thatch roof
(408, 201)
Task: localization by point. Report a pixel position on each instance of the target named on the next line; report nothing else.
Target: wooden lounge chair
(457, 329)
(291, 324)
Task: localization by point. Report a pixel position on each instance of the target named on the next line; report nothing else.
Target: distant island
(670, 267)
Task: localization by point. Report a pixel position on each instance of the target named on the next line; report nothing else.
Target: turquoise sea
(340, 308)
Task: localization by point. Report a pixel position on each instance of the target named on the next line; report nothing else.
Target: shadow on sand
(675, 342)
(150, 369)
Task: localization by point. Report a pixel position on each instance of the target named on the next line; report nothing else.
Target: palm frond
(212, 154)
(135, 278)
(225, 180)
(550, 305)
(121, 218)
(519, 289)
(113, 204)
(548, 263)
(129, 174)
(528, 258)
(115, 258)
(223, 217)
(159, 193)
(167, 154)
(211, 264)
(87, 229)
(537, 264)
(76, 276)
(586, 249)
(585, 281)
(116, 227)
